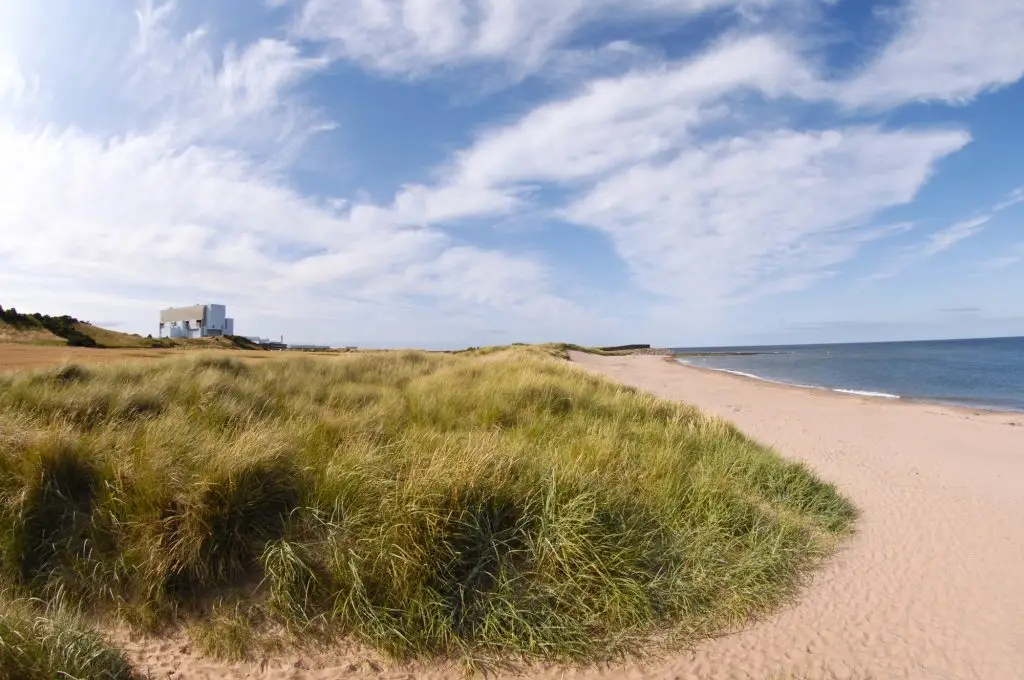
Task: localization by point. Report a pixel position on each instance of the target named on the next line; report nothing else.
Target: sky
(447, 173)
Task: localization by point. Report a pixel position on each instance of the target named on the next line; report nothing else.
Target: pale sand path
(931, 587)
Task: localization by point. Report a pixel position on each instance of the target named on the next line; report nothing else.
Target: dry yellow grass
(41, 336)
(23, 357)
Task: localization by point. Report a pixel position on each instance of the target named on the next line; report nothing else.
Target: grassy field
(488, 504)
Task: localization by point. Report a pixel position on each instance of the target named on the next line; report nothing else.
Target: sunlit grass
(38, 642)
(491, 503)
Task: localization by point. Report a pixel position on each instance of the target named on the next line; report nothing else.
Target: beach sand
(930, 587)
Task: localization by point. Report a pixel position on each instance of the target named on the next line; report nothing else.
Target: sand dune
(930, 587)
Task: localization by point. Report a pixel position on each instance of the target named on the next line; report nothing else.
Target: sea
(983, 374)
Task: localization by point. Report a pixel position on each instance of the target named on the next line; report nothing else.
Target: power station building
(197, 321)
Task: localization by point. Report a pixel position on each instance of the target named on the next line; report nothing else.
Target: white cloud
(698, 171)
(754, 215)
(136, 206)
(1011, 256)
(414, 37)
(243, 96)
(1001, 262)
(695, 218)
(1016, 196)
(618, 121)
(611, 124)
(946, 50)
(184, 202)
(141, 211)
(943, 239)
(705, 220)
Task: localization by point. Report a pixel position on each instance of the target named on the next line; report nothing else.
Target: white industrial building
(197, 321)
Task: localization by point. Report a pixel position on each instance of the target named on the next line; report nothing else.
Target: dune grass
(499, 504)
(46, 642)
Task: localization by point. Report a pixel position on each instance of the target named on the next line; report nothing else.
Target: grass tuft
(226, 634)
(70, 373)
(220, 364)
(486, 504)
(61, 484)
(43, 645)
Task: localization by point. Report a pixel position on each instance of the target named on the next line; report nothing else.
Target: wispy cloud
(188, 198)
(945, 238)
(944, 50)
(1016, 196)
(759, 209)
(705, 219)
(1013, 256)
(415, 38)
(701, 172)
(242, 96)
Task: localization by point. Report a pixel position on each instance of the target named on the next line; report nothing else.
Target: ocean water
(986, 374)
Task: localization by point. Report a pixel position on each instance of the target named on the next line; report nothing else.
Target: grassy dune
(32, 335)
(472, 506)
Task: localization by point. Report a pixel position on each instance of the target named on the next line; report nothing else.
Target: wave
(755, 377)
(860, 393)
(865, 393)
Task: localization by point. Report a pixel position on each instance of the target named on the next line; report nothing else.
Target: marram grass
(41, 643)
(472, 506)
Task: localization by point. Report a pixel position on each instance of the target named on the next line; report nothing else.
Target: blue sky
(445, 173)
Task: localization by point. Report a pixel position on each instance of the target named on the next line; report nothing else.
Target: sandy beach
(929, 587)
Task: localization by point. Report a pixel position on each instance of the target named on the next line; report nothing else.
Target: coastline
(928, 585)
(892, 399)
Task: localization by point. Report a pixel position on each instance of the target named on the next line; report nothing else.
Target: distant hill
(36, 335)
(42, 329)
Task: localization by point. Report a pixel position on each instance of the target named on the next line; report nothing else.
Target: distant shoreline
(971, 374)
(718, 354)
(960, 407)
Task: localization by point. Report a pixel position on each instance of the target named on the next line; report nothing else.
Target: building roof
(192, 313)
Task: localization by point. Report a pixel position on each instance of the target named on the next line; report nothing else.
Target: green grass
(491, 504)
(41, 645)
